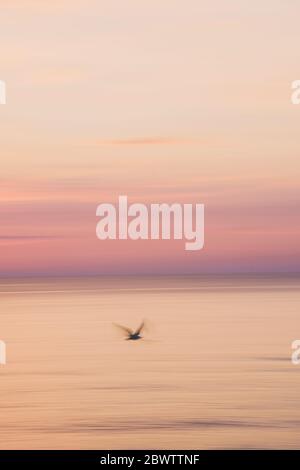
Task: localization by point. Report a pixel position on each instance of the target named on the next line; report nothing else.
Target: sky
(173, 101)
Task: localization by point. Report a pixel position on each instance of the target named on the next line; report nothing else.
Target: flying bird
(131, 334)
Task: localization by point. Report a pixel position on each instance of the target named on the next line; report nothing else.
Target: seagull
(131, 335)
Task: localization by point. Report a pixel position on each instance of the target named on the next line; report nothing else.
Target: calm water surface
(213, 371)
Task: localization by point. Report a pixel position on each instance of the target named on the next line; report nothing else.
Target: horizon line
(132, 275)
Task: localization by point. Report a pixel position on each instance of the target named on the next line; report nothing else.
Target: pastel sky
(165, 101)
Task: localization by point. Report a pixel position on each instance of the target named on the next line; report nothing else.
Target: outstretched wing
(124, 329)
(137, 332)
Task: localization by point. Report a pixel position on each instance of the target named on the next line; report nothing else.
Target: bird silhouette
(131, 334)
